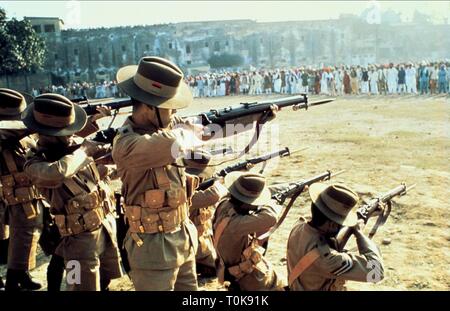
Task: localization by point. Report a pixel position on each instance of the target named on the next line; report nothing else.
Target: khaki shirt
(332, 268)
(139, 153)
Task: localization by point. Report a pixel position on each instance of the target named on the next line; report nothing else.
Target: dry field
(380, 142)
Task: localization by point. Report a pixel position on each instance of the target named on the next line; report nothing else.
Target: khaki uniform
(82, 206)
(201, 214)
(242, 260)
(20, 206)
(161, 240)
(331, 268)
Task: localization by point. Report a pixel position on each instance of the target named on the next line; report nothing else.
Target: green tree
(225, 60)
(21, 49)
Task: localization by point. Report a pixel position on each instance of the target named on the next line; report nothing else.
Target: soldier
(312, 259)
(80, 201)
(161, 240)
(202, 210)
(20, 202)
(240, 218)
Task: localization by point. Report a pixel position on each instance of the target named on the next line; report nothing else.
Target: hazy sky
(85, 14)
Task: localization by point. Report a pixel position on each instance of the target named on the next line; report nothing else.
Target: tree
(21, 49)
(225, 60)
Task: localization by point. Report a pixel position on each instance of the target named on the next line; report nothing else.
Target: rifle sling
(380, 220)
(282, 217)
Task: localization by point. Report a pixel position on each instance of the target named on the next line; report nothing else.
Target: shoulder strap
(9, 160)
(73, 187)
(219, 230)
(304, 263)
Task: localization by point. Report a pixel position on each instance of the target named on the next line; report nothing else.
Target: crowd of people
(375, 79)
(103, 89)
(422, 78)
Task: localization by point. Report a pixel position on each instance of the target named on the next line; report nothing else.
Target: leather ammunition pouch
(251, 259)
(164, 211)
(85, 211)
(16, 188)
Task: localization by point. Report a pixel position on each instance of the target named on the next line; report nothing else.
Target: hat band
(154, 87)
(335, 206)
(52, 120)
(246, 192)
(9, 111)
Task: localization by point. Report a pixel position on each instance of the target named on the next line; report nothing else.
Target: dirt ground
(380, 142)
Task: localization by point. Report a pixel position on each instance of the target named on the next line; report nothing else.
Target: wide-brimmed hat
(12, 104)
(336, 201)
(197, 162)
(54, 115)
(156, 82)
(249, 188)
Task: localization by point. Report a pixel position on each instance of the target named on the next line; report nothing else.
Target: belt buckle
(160, 228)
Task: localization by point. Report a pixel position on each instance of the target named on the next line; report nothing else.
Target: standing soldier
(202, 210)
(20, 202)
(80, 201)
(240, 219)
(161, 240)
(312, 260)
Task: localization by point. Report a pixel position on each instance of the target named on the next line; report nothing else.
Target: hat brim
(314, 192)
(12, 125)
(181, 99)
(31, 123)
(263, 199)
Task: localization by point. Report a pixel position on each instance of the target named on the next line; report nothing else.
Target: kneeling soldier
(313, 261)
(240, 218)
(202, 210)
(80, 201)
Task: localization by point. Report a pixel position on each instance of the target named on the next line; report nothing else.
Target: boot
(4, 244)
(17, 280)
(55, 272)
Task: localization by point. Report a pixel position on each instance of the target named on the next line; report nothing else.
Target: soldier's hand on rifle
(102, 112)
(92, 148)
(249, 166)
(273, 112)
(381, 208)
(359, 226)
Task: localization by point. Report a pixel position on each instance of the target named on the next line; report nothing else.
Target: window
(37, 28)
(147, 47)
(216, 46)
(170, 45)
(226, 43)
(188, 62)
(124, 48)
(49, 28)
(75, 51)
(56, 56)
(206, 44)
(188, 49)
(100, 50)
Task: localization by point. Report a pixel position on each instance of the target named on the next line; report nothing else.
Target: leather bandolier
(15, 186)
(164, 207)
(252, 257)
(88, 206)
